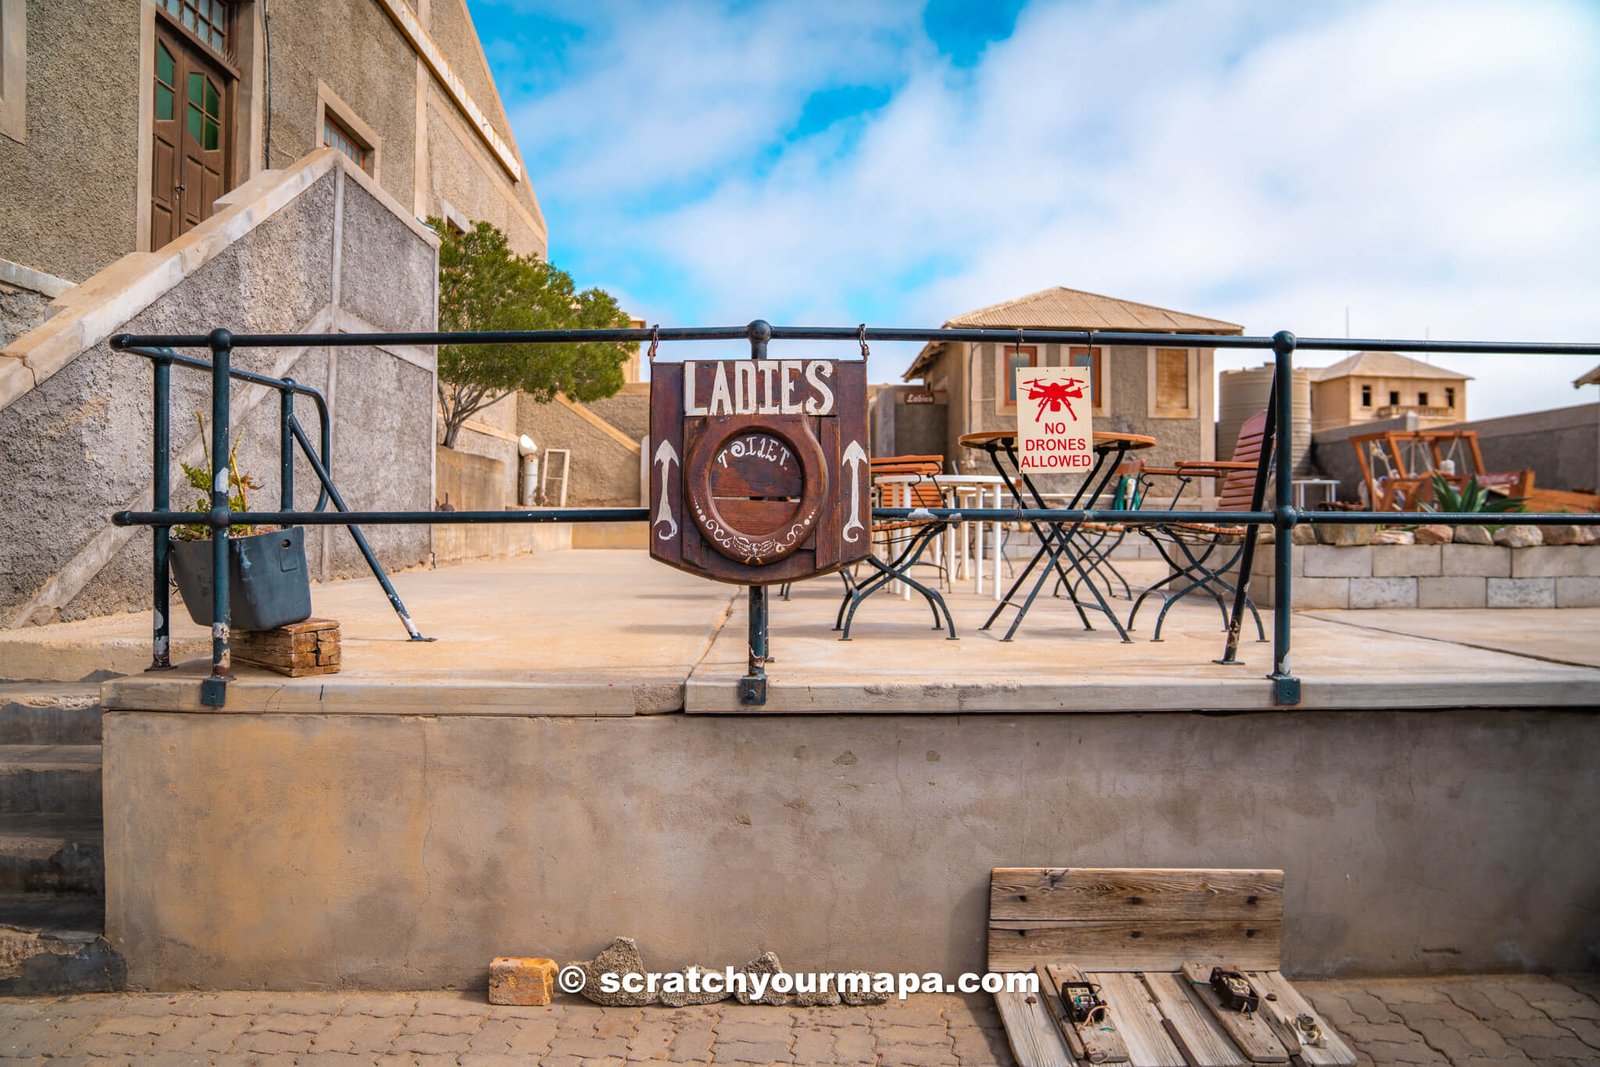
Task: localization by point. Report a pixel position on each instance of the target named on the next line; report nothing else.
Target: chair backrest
(923, 493)
(1239, 486)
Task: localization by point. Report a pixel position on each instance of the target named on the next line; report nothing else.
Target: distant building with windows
(1166, 391)
(1375, 386)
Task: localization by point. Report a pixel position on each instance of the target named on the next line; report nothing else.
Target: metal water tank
(1242, 393)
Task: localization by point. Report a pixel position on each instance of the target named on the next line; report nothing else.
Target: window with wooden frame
(1449, 396)
(336, 134)
(1173, 388)
(1366, 396)
(1094, 359)
(210, 21)
(1011, 358)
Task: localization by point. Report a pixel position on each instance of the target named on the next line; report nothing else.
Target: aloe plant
(1471, 498)
(239, 486)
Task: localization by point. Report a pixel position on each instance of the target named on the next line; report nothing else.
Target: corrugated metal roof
(1060, 308)
(1385, 365)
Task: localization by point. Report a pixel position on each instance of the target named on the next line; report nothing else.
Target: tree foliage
(484, 285)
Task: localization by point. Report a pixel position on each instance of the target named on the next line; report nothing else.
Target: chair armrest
(1202, 466)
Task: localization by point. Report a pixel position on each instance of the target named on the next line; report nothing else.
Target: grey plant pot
(268, 583)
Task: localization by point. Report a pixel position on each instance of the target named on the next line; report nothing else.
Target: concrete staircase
(52, 855)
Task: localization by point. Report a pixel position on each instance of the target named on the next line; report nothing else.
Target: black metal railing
(1282, 515)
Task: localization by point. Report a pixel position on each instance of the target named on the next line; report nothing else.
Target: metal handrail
(1283, 516)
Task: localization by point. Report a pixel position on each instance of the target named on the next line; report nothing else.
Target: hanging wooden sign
(759, 470)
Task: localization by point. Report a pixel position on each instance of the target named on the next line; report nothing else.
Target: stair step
(63, 916)
(52, 852)
(52, 943)
(50, 778)
(46, 713)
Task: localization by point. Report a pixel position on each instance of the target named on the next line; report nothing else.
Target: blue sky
(1427, 168)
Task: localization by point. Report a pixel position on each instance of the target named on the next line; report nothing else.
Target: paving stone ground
(1483, 1021)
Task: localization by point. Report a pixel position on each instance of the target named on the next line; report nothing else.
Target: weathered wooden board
(1251, 1033)
(1206, 1042)
(1032, 1034)
(1101, 1041)
(1132, 919)
(1288, 1002)
(1113, 945)
(1138, 1019)
(1057, 1012)
(1147, 894)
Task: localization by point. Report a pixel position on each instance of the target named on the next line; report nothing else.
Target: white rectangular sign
(1055, 432)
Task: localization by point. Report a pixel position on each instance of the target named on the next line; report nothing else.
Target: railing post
(214, 690)
(161, 570)
(753, 686)
(1285, 686)
(286, 446)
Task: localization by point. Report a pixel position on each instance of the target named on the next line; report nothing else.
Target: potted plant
(268, 582)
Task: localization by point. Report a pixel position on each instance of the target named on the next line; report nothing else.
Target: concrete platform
(608, 632)
(503, 785)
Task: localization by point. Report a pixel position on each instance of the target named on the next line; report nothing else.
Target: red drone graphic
(1054, 395)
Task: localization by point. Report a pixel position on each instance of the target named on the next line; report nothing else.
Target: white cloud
(1431, 166)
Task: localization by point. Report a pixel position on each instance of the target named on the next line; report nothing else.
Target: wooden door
(191, 129)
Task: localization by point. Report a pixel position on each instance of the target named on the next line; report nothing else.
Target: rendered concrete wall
(478, 483)
(70, 188)
(604, 469)
(78, 444)
(385, 851)
(1561, 446)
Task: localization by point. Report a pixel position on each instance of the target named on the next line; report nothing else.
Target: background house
(1374, 386)
(1165, 392)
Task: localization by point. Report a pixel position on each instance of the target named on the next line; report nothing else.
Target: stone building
(1167, 393)
(260, 165)
(122, 124)
(1375, 386)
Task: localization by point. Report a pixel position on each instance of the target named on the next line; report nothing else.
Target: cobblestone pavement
(1466, 1022)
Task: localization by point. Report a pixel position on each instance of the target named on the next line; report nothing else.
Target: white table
(959, 546)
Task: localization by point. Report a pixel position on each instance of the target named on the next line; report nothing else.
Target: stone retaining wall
(1437, 576)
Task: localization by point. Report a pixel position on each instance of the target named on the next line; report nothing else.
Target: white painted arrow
(854, 457)
(666, 455)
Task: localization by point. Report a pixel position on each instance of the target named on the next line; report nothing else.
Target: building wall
(604, 467)
(80, 179)
(404, 851)
(336, 258)
(353, 48)
(1338, 402)
(1127, 376)
(69, 197)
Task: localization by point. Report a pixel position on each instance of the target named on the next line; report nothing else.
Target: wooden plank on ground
(1131, 945)
(1206, 1042)
(1288, 1002)
(1138, 1019)
(1250, 1032)
(1032, 1034)
(1146, 894)
(1102, 1041)
(1052, 1002)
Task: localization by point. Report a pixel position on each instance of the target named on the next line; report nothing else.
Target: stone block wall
(1437, 576)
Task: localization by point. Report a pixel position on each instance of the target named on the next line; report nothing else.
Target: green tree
(483, 285)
